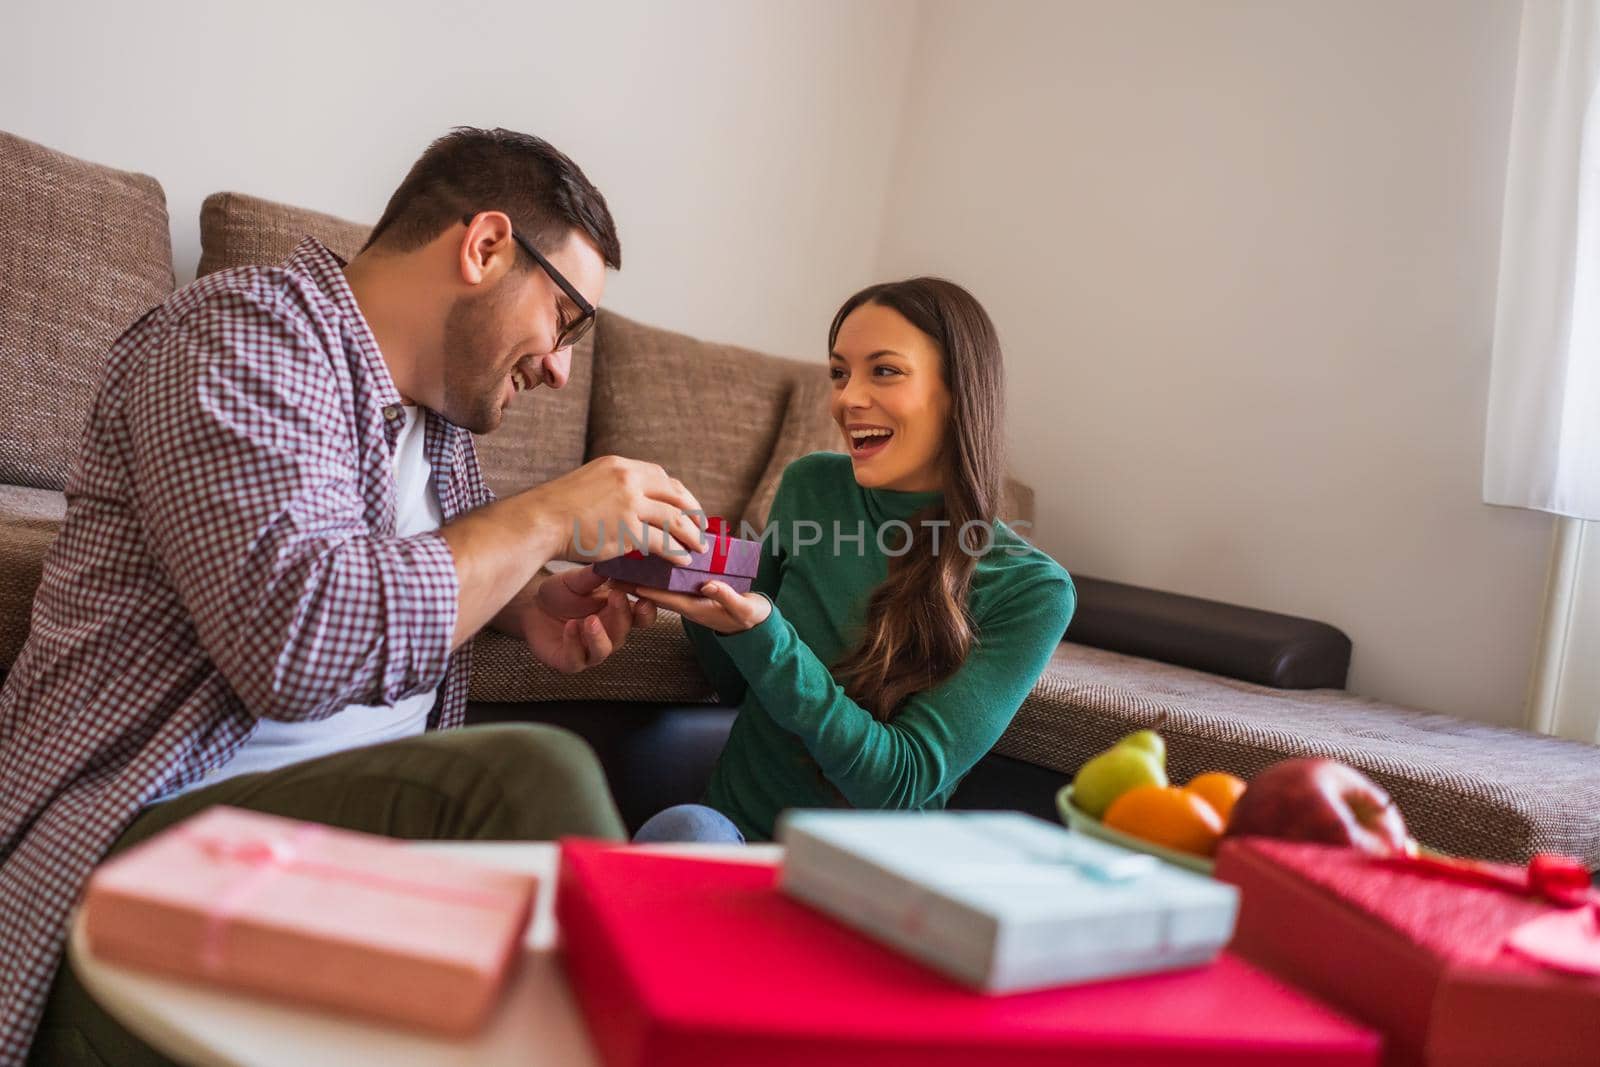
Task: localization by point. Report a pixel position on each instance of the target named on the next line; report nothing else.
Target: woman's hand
(717, 607)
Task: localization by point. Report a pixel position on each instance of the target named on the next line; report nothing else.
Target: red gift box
(687, 963)
(1420, 957)
(304, 912)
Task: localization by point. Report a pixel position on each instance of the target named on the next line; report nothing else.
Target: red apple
(1320, 800)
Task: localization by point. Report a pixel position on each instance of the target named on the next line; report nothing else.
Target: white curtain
(1543, 443)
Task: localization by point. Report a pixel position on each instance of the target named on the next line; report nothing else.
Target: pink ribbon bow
(271, 857)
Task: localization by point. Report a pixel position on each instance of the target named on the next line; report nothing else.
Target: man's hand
(498, 549)
(607, 496)
(717, 607)
(571, 623)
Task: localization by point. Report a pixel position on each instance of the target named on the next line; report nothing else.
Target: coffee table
(537, 1023)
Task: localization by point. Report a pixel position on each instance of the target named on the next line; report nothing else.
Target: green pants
(510, 782)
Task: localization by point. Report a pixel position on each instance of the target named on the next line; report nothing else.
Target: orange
(1167, 815)
(1220, 789)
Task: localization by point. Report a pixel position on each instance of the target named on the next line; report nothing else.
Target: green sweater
(798, 740)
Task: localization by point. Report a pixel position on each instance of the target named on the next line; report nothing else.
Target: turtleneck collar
(885, 505)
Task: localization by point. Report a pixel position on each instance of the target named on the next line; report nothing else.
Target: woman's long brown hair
(918, 628)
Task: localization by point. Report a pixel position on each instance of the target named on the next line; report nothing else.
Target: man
(278, 545)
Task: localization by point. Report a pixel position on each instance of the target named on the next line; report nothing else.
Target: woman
(873, 672)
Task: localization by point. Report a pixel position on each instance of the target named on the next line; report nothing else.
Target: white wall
(744, 146)
(1242, 256)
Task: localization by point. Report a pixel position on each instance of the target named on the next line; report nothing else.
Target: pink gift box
(342, 920)
(733, 561)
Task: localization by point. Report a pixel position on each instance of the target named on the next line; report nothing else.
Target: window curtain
(1543, 438)
(1542, 447)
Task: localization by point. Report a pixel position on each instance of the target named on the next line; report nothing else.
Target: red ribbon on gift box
(1561, 880)
(721, 542)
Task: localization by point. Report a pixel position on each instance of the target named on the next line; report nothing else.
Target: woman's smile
(867, 439)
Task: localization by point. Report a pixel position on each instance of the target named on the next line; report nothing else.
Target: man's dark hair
(469, 170)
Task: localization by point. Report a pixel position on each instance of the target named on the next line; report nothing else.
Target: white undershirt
(276, 744)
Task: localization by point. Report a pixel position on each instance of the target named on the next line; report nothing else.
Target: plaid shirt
(229, 553)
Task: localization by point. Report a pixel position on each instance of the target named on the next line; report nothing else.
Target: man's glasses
(578, 328)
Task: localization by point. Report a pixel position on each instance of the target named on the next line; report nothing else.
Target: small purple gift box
(730, 560)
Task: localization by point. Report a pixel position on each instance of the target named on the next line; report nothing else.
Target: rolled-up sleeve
(247, 469)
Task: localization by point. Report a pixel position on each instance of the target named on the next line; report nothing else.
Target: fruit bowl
(1082, 822)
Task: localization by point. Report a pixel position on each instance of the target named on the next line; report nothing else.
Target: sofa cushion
(29, 521)
(84, 251)
(543, 433)
(246, 231)
(709, 413)
(656, 663)
(807, 427)
(1465, 788)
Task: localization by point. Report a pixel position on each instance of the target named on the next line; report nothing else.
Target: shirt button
(391, 413)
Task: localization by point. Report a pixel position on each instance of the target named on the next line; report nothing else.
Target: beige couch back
(84, 251)
(711, 414)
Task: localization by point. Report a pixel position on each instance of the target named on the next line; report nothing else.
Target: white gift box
(1001, 901)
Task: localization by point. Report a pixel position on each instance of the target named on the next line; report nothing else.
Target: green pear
(1151, 741)
(1112, 773)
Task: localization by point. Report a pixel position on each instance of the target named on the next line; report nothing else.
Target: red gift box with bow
(1422, 955)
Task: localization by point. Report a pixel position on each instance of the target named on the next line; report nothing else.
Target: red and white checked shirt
(229, 553)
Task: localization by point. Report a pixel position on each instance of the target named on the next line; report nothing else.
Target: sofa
(85, 250)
